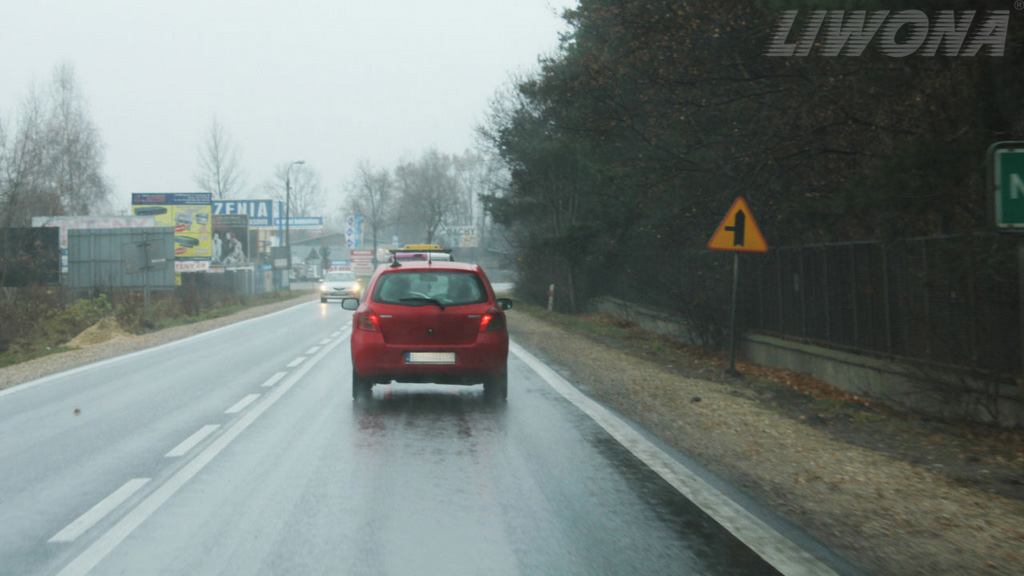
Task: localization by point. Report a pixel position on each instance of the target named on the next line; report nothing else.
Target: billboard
(461, 237)
(300, 223)
(65, 223)
(260, 212)
(190, 216)
(230, 240)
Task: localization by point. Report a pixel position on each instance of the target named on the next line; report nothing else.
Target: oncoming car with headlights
(339, 284)
(437, 322)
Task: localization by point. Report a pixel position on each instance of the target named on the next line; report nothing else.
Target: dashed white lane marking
(99, 511)
(325, 341)
(296, 362)
(192, 441)
(312, 350)
(242, 404)
(106, 543)
(773, 547)
(274, 379)
(335, 334)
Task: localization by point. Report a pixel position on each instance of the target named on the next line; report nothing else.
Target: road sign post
(1006, 187)
(1006, 181)
(738, 232)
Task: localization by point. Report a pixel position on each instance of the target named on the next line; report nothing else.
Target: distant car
(429, 322)
(339, 284)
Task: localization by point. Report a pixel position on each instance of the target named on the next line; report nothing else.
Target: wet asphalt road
(241, 452)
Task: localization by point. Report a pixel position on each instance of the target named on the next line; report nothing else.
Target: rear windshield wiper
(423, 301)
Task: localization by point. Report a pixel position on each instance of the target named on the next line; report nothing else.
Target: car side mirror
(350, 303)
(505, 303)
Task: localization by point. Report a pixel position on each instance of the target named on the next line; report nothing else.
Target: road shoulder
(883, 513)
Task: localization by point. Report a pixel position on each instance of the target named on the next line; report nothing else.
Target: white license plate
(430, 358)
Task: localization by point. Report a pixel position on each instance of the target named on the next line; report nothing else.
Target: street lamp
(288, 210)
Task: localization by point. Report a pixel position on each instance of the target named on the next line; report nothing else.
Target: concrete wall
(922, 389)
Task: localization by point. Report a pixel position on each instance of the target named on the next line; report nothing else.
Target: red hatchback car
(429, 322)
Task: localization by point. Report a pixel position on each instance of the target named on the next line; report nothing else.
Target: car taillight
(367, 321)
(492, 321)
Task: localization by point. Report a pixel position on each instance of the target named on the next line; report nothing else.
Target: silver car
(339, 284)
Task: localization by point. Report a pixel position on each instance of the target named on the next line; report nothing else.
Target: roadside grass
(17, 355)
(626, 335)
(801, 394)
(226, 309)
(53, 326)
(593, 325)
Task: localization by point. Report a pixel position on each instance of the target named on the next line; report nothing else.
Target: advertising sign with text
(260, 212)
(189, 214)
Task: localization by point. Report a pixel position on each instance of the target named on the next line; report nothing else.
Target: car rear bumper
(382, 362)
(337, 295)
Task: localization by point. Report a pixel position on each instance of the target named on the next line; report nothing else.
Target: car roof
(410, 265)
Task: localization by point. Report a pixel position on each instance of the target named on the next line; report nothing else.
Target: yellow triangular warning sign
(738, 232)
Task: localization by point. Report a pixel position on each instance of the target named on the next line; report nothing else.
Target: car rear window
(340, 277)
(418, 288)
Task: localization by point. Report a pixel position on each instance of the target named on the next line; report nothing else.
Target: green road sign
(1006, 160)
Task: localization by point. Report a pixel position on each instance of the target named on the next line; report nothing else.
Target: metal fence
(100, 258)
(951, 300)
(237, 282)
(945, 300)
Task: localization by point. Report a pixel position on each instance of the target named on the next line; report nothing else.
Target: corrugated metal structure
(100, 258)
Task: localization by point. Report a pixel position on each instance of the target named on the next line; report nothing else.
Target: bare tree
(307, 196)
(74, 153)
(430, 190)
(371, 194)
(21, 158)
(218, 172)
(480, 175)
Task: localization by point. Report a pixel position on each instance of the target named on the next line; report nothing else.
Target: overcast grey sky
(331, 82)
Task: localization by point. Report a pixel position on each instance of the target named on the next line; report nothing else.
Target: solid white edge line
(33, 383)
(99, 511)
(274, 379)
(192, 441)
(242, 404)
(296, 362)
(106, 543)
(782, 553)
(312, 350)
